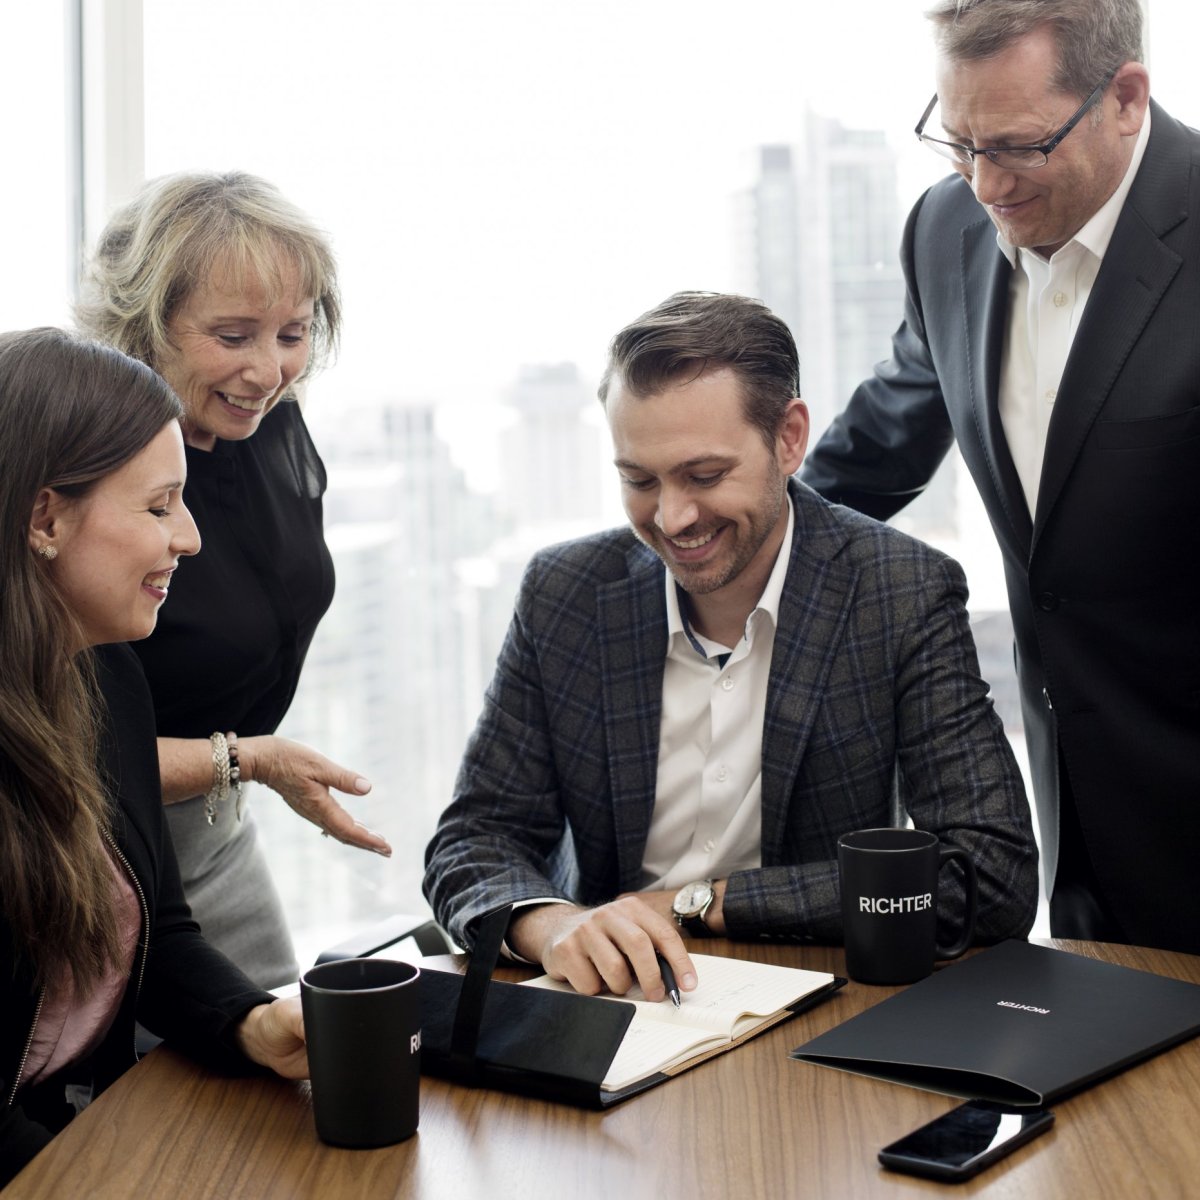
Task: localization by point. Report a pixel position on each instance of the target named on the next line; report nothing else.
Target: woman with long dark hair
(95, 933)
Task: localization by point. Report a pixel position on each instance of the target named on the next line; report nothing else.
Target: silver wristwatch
(691, 903)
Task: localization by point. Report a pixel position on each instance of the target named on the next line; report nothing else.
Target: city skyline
(429, 561)
(506, 185)
(509, 184)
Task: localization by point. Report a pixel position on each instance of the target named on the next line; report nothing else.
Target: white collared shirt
(707, 820)
(1046, 300)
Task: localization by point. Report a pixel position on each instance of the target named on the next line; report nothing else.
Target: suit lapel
(1136, 272)
(985, 288)
(813, 611)
(632, 636)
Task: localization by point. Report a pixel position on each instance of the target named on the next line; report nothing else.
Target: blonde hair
(171, 238)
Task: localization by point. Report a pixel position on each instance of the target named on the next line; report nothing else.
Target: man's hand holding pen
(668, 978)
(610, 947)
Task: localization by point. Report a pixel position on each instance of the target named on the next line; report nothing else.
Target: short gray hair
(1094, 37)
(167, 241)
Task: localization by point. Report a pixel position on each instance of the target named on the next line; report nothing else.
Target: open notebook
(547, 1041)
(733, 1000)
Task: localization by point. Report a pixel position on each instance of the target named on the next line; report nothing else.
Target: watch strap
(694, 926)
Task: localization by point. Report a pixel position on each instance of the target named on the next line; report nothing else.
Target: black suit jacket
(1104, 579)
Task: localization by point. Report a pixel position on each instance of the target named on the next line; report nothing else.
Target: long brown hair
(71, 413)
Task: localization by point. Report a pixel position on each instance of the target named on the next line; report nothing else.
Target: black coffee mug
(362, 1022)
(889, 881)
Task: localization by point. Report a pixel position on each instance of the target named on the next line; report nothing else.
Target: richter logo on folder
(1022, 1007)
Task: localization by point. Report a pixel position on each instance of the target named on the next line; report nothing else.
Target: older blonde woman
(230, 293)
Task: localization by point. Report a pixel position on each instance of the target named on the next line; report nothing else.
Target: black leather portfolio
(1017, 1023)
(559, 1046)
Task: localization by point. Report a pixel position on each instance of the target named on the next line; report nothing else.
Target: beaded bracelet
(235, 771)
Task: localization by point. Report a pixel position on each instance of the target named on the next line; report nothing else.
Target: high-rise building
(821, 232)
(391, 679)
(551, 456)
(552, 472)
(824, 229)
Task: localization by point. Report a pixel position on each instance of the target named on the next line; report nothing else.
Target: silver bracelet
(219, 792)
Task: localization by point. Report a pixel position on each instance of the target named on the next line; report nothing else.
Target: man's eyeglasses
(1015, 158)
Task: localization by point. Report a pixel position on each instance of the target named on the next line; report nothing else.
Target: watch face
(691, 898)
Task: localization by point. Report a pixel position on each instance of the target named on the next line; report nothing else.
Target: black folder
(559, 1046)
(1016, 1023)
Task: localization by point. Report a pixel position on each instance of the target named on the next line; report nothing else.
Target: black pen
(668, 978)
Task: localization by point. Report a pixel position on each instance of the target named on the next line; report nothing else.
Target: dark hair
(1094, 37)
(71, 413)
(692, 332)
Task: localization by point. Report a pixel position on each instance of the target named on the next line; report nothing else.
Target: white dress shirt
(707, 820)
(1046, 300)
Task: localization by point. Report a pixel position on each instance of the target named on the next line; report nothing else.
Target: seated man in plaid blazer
(687, 714)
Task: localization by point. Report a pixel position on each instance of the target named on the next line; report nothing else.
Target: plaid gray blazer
(874, 681)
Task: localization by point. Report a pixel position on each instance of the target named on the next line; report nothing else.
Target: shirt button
(708, 846)
(727, 684)
(722, 775)
(1051, 394)
(1060, 298)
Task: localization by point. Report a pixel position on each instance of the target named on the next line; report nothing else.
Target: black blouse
(232, 636)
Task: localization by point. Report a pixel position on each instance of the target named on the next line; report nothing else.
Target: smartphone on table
(963, 1141)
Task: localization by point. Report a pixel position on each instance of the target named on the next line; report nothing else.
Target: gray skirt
(230, 890)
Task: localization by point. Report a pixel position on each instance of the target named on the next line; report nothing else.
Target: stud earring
(48, 552)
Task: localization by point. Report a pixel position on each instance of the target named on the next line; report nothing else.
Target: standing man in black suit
(1052, 327)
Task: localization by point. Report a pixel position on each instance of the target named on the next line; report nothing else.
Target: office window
(506, 184)
(40, 144)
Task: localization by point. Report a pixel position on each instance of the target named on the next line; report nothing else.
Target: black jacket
(180, 987)
(1104, 578)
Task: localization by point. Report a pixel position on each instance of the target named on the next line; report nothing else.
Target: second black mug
(889, 882)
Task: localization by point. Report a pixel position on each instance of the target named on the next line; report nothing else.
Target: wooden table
(750, 1123)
